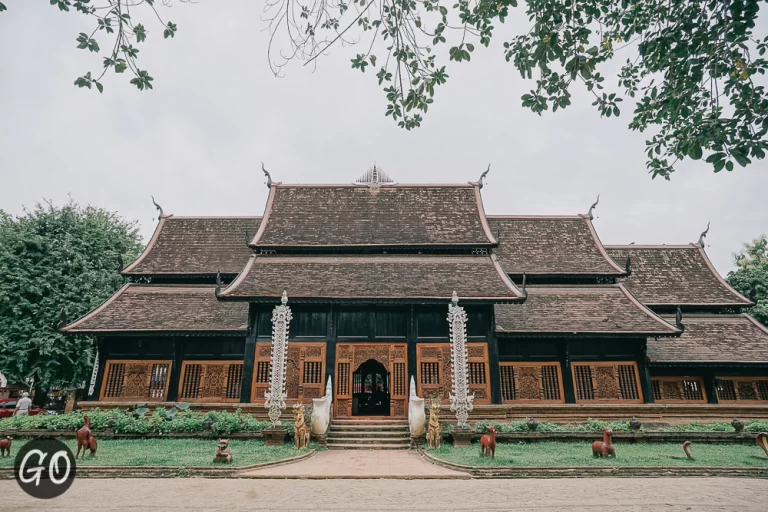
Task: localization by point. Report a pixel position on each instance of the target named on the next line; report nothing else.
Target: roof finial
(62, 319)
(592, 217)
(482, 176)
(628, 265)
(525, 293)
(703, 235)
(266, 173)
(247, 238)
(159, 208)
(679, 319)
(455, 298)
(219, 284)
(120, 264)
(284, 299)
(374, 177)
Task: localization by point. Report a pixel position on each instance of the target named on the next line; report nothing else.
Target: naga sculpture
(686, 449)
(300, 428)
(488, 443)
(762, 442)
(605, 447)
(223, 454)
(321, 411)
(434, 433)
(5, 446)
(416, 417)
(84, 438)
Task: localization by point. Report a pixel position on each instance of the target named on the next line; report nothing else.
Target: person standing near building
(23, 405)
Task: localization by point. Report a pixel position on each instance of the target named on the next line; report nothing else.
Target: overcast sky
(196, 141)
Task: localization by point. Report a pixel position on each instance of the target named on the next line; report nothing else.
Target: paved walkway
(403, 464)
(232, 495)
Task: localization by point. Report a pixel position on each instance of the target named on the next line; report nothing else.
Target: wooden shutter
(433, 371)
(607, 382)
(305, 371)
(531, 381)
(678, 389)
(742, 389)
(136, 380)
(210, 381)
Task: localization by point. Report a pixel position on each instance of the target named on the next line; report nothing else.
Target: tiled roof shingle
(566, 245)
(675, 276)
(144, 308)
(358, 216)
(603, 309)
(375, 277)
(196, 246)
(714, 339)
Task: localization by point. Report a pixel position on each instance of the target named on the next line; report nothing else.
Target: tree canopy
(55, 259)
(751, 276)
(689, 66)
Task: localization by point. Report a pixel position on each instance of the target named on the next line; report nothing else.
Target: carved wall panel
(210, 381)
(433, 371)
(305, 372)
(747, 389)
(531, 381)
(136, 380)
(678, 389)
(349, 357)
(607, 382)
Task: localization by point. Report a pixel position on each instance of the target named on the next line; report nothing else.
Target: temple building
(553, 315)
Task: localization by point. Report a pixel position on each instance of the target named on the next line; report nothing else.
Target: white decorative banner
(92, 387)
(461, 400)
(274, 399)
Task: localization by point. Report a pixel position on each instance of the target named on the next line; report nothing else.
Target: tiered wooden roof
(551, 246)
(736, 338)
(196, 246)
(359, 216)
(676, 275)
(381, 277)
(142, 308)
(574, 310)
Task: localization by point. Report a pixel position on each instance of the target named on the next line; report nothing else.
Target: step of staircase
(368, 434)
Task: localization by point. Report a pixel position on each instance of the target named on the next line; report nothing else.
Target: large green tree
(751, 276)
(690, 65)
(54, 259)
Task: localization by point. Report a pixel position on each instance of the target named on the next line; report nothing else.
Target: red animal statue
(93, 444)
(604, 448)
(488, 443)
(5, 446)
(84, 437)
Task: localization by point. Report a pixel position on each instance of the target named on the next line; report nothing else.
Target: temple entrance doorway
(370, 389)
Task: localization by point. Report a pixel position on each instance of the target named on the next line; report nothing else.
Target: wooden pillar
(711, 387)
(645, 374)
(249, 356)
(493, 359)
(178, 355)
(565, 368)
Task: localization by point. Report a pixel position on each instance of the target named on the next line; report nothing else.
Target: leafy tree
(55, 259)
(751, 276)
(690, 65)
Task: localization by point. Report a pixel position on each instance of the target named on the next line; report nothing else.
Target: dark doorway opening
(370, 390)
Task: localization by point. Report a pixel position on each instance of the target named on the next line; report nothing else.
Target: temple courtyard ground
(573, 495)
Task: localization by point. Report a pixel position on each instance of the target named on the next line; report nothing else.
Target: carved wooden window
(678, 389)
(136, 380)
(607, 382)
(743, 389)
(531, 381)
(211, 381)
(305, 371)
(434, 371)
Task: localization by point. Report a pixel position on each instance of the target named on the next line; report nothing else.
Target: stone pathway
(402, 464)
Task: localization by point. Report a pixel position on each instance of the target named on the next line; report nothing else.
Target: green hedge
(127, 422)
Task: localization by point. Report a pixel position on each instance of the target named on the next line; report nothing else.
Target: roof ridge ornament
(525, 292)
(120, 263)
(628, 264)
(374, 177)
(482, 177)
(702, 236)
(266, 173)
(591, 208)
(62, 319)
(159, 208)
(679, 319)
(219, 284)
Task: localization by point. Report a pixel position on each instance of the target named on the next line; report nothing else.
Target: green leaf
(99, 86)
(694, 151)
(3, 7)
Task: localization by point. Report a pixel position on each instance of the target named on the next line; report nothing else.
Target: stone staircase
(368, 434)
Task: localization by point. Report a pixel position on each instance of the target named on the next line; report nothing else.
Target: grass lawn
(171, 452)
(580, 454)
